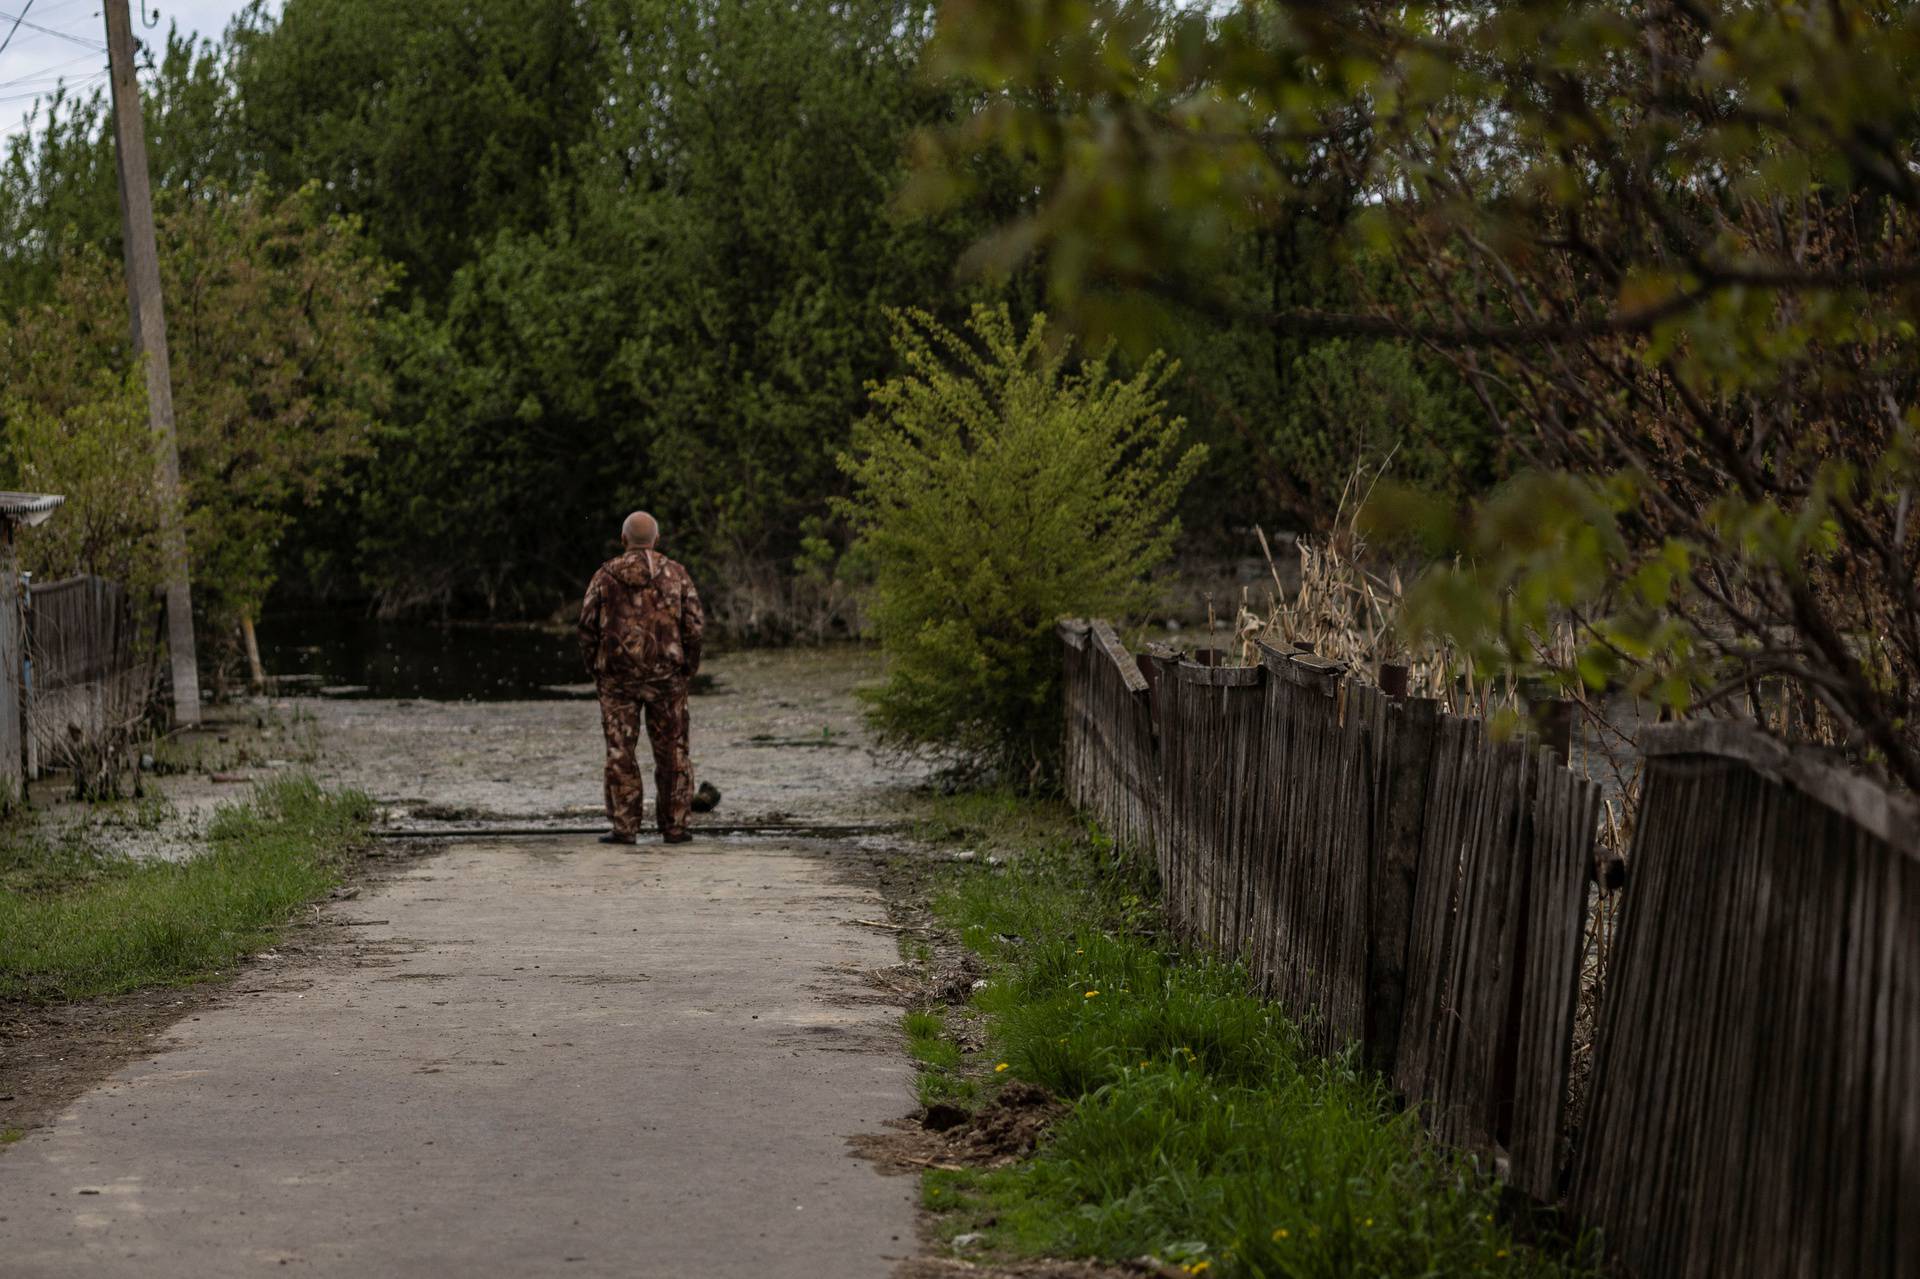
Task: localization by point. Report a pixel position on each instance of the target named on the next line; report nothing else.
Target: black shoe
(676, 837)
(615, 837)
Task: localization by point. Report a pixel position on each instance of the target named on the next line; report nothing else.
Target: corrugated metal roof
(29, 508)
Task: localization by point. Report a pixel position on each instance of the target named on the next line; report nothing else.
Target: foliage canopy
(642, 254)
(1670, 247)
(271, 330)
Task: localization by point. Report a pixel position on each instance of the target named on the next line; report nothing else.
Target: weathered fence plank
(1394, 876)
(12, 755)
(1754, 1109)
(1566, 814)
(1402, 754)
(87, 682)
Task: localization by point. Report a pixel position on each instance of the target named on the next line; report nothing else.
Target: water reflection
(326, 654)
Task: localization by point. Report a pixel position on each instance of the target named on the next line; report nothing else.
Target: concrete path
(555, 1058)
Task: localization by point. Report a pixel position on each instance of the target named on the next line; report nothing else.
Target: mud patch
(51, 1053)
(949, 1267)
(1004, 1131)
(453, 813)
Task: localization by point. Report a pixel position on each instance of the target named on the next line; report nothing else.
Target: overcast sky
(36, 60)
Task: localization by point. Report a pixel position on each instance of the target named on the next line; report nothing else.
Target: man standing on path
(640, 630)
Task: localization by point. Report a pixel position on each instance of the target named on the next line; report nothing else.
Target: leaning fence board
(1566, 812)
(1754, 1109)
(1453, 784)
(1402, 756)
(1396, 877)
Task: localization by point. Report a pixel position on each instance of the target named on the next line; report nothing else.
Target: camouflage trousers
(663, 704)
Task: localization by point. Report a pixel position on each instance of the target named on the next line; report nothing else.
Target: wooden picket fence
(1401, 881)
(13, 778)
(87, 682)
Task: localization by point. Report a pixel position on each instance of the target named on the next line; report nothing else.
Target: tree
(98, 452)
(58, 189)
(438, 123)
(271, 312)
(1670, 246)
(999, 486)
(690, 328)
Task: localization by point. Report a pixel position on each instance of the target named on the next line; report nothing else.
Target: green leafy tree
(691, 329)
(1670, 247)
(999, 486)
(271, 326)
(439, 123)
(58, 186)
(98, 452)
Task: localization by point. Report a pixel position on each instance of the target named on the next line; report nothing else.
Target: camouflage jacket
(641, 619)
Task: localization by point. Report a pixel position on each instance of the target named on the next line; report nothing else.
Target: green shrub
(999, 487)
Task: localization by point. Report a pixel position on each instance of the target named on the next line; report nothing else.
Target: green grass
(35, 861)
(994, 818)
(89, 924)
(1203, 1131)
(943, 1074)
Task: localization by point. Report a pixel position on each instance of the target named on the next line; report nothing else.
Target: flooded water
(326, 654)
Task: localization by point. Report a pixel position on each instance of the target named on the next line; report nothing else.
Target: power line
(93, 79)
(20, 20)
(15, 30)
(55, 72)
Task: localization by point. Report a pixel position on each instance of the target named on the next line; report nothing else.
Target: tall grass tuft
(152, 923)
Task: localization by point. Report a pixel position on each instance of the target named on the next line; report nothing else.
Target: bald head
(640, 531)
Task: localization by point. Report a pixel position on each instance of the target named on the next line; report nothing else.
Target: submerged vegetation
(1201, 1129)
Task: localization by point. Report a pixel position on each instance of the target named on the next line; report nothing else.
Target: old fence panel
(1397, 878)
(87, 684)
(1755, 1109)
(1314, 908)
(1110, 765)
(12, 653)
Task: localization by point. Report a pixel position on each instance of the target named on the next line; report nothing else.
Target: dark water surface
(328, 654)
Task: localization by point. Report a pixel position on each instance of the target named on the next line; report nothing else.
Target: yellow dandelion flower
(1199, 1267)
(1090, 994)
(1145, 1064)
(1002, 1066)
(1280, 1234)
(1368, 1223)
(1501, 1253)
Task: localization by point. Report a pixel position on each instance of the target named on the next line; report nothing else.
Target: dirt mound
(1004, 1131)
(1008, 1127)
(947, 1267)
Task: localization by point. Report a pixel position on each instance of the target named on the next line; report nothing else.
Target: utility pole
(150, 346)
